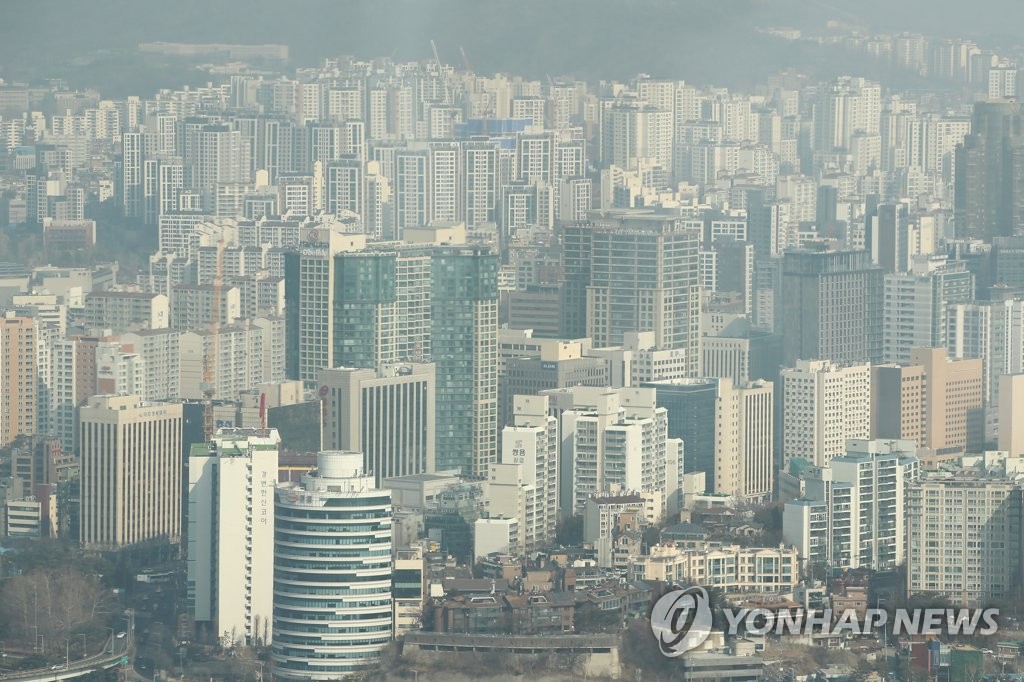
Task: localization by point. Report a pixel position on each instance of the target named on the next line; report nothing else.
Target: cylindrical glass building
(332, 571)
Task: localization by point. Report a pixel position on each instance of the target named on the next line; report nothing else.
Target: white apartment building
(615, 440)
(824, 405)
(192, 306)
(524, 482)
(852, 513)
(126, 310)
(159, 351)
(246, 354)
(181, 233)
(118, 371)
(231, 533)
(964, 537)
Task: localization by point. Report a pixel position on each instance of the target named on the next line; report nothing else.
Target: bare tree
(53, 604)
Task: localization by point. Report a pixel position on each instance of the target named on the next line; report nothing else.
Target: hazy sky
(588, 38)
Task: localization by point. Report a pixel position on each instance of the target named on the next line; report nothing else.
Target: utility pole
(67, 653)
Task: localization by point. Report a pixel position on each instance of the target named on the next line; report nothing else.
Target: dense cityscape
(378, 369)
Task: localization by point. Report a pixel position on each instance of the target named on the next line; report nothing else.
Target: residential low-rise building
(730, 568)
(514, 614)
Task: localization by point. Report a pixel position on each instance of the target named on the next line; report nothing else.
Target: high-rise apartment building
(915, 306)
(445, 182)
(19, 377)
(220, 157)
(480, 182)
(824, 405)
(346, 186)
(535, 158)
(634, 132)
(412, 190)
(964, 538)
(334, 622)
(231, 533)
(132, 155)
(126, 311)
(387, 414)
(524, 482)
(847, 107)
(852, 513)
(247, 354)
(130, 472)
(615, 440)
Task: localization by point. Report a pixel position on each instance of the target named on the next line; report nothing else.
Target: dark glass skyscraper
(633, 271)
(989, 192)
(464, 347)
(831, 307)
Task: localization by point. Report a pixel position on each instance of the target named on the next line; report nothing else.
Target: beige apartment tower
(1011, 402)
(131, 471)
(18, 382)
(934, 401)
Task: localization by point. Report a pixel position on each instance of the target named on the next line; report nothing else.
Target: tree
(569, 532)
(589, 618)
(769, 516)
(640, 652)
(53, 604)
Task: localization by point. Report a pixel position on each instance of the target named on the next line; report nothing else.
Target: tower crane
(440, 73)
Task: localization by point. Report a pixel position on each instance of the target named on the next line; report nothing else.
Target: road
(115, 652)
